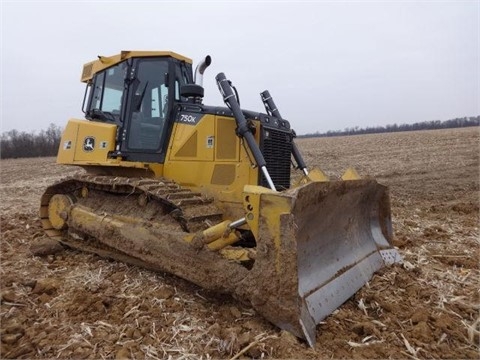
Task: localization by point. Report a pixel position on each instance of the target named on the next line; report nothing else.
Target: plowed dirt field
(77, 305)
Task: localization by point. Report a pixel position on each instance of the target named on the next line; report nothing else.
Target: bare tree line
(425, 125)
(21, 144)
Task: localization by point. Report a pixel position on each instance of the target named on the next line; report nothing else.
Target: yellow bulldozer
(205, 193)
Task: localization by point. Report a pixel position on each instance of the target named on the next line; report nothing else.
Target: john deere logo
(89, 144)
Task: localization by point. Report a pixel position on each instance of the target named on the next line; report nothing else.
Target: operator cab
(137, 94)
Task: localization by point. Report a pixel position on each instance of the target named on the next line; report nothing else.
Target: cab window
(106, 100)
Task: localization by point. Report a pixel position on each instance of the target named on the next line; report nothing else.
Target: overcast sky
(328, 65)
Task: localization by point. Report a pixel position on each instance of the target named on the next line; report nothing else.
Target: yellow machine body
(205, 193)
(207, 157)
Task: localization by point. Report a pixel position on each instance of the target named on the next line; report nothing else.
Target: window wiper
(101, 115)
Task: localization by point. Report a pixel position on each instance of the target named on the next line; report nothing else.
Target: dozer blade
(317, 245)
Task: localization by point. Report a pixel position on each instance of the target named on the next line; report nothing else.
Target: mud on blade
(317, 246)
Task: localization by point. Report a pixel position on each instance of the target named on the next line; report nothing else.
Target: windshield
(106, 100)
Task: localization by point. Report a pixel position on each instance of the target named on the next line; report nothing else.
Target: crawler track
(156, 202)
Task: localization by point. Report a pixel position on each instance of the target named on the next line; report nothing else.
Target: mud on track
(73, 304)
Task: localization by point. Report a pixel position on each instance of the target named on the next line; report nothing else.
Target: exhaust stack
(200, 69)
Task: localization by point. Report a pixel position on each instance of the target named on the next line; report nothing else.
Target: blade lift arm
(272, 109)
(219, 236)
(243, 129)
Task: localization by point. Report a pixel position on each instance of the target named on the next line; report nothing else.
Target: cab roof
(104, 62)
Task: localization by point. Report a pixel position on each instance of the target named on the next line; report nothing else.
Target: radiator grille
(276, 147)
